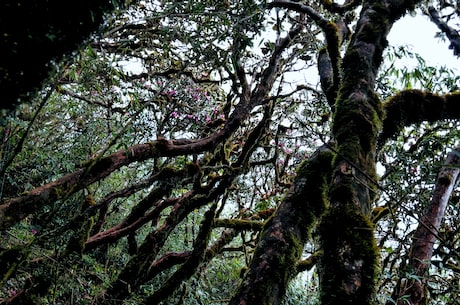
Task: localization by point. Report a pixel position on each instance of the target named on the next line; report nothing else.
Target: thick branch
(282, 240)
(413, 107)
(13, 210)
(350, 256)
(329, 59)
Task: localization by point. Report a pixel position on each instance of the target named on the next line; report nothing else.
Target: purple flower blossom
(171, 92)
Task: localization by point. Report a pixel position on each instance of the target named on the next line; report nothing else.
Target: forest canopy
(236, 152)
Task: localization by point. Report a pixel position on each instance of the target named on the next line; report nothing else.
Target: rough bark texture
(415, 106)
(348, 268)
(414, 292)
(281, 242)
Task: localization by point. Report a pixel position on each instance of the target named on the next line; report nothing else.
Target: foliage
(183, 125)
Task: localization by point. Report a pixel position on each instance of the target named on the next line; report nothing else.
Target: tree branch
(451, 33)
(415, 106)
(281, 242)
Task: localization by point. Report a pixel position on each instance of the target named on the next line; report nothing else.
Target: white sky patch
(419, 33)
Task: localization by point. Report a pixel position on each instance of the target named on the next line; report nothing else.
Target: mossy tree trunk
(348, 266)
(284, 235)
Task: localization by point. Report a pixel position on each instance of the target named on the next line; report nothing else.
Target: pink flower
(175, 114)
(171, 92)
(34, 231)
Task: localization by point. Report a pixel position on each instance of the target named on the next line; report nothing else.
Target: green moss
(350, 257)
(413, 107)
(312, 180)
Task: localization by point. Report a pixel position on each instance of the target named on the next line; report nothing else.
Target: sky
(419, 33)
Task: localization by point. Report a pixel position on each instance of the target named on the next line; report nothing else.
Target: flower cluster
(205, 117)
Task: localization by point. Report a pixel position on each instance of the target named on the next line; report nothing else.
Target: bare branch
(451, 33)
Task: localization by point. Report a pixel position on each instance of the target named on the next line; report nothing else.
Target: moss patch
(349, 263)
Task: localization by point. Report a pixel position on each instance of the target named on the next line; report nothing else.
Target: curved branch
(415, 106)
(309, 262)
(301, 8)
(328, 62)
(451, 33)
(284, 235)
(329, 59)
(13, 210)
(191, 264)
(340, 8)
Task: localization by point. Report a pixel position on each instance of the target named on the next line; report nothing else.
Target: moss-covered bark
(284, 235)
(415, 106)
(348, 266)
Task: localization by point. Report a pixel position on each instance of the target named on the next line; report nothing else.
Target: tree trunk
(348, 266)
(424, 237)
(284, 235)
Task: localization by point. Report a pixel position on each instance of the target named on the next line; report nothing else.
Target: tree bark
(414, 291)
(281, 242)
(348, 266)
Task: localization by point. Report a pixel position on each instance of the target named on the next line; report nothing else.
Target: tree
(35, 33)
(190, 153)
